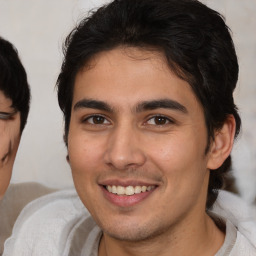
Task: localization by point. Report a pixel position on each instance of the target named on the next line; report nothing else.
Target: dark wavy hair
(13, 80)
(195, 41)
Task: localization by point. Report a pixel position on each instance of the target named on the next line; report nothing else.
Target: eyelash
(6, 116)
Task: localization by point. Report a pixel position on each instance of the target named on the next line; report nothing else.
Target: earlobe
(222, 145)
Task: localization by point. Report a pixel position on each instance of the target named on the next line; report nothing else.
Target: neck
(202, 239)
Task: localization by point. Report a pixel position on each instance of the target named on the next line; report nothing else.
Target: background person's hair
(194, 40)
(13, 80)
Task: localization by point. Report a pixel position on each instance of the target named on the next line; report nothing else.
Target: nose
(124, 149)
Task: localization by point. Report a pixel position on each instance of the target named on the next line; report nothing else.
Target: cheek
(85, 154)
(10, 138)
(173, 151)
(179, 158)
(6, 167)
(85, 162)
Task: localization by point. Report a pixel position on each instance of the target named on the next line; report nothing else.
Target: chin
(133, 233)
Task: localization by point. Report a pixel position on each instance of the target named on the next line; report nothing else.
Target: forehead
(129, 75)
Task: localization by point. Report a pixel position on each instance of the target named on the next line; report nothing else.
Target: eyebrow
(94, 104)
(143, 106)
(162, 103)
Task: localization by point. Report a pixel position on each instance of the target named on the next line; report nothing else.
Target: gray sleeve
(15, 199)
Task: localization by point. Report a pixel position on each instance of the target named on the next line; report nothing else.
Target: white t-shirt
(59, 225)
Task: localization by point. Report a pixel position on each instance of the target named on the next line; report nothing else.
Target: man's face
(9, 140)
(136, 145)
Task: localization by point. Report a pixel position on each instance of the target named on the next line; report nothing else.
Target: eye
(159, 120)
(96, 120)
(6, 116)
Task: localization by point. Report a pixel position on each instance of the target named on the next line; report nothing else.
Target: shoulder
(243, 246)
(15, 199)
(232, 208)
(45, 226)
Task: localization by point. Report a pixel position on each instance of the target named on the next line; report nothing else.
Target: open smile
(128, 190)
(127, 195)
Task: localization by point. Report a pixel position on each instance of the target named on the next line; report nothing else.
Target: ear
(222, 145)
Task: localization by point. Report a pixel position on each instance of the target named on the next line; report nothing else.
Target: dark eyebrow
(95, 104)
(162, 103)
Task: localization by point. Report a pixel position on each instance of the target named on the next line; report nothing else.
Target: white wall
(38, 27)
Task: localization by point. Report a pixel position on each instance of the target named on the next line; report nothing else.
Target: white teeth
(120, 190)
(137, 190)
(144, 188)
(129, 190)
(113, 190)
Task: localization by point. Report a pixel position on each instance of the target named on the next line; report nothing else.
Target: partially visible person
(14, 109)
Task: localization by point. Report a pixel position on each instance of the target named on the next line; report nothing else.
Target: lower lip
(126, 201)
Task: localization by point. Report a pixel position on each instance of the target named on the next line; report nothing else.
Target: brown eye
(96, 120)
(159, 120)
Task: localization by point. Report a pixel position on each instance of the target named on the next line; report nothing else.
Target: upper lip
(126, 183)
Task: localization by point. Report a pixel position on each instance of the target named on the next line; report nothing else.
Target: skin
(120, 139)
(9, 140)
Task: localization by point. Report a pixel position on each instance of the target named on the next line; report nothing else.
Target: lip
(126, 183)
(126, 201)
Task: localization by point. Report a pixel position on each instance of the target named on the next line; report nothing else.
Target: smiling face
(136, 145)
(9, 140)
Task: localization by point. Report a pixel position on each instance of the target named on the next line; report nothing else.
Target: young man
(146, 90)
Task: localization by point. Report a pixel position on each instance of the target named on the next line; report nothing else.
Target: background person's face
(135, 124)
(9, 140)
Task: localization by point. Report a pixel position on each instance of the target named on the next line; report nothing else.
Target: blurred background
(38, 28)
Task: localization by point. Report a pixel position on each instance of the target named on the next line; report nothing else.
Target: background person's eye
(6, 116)
(159, 120)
